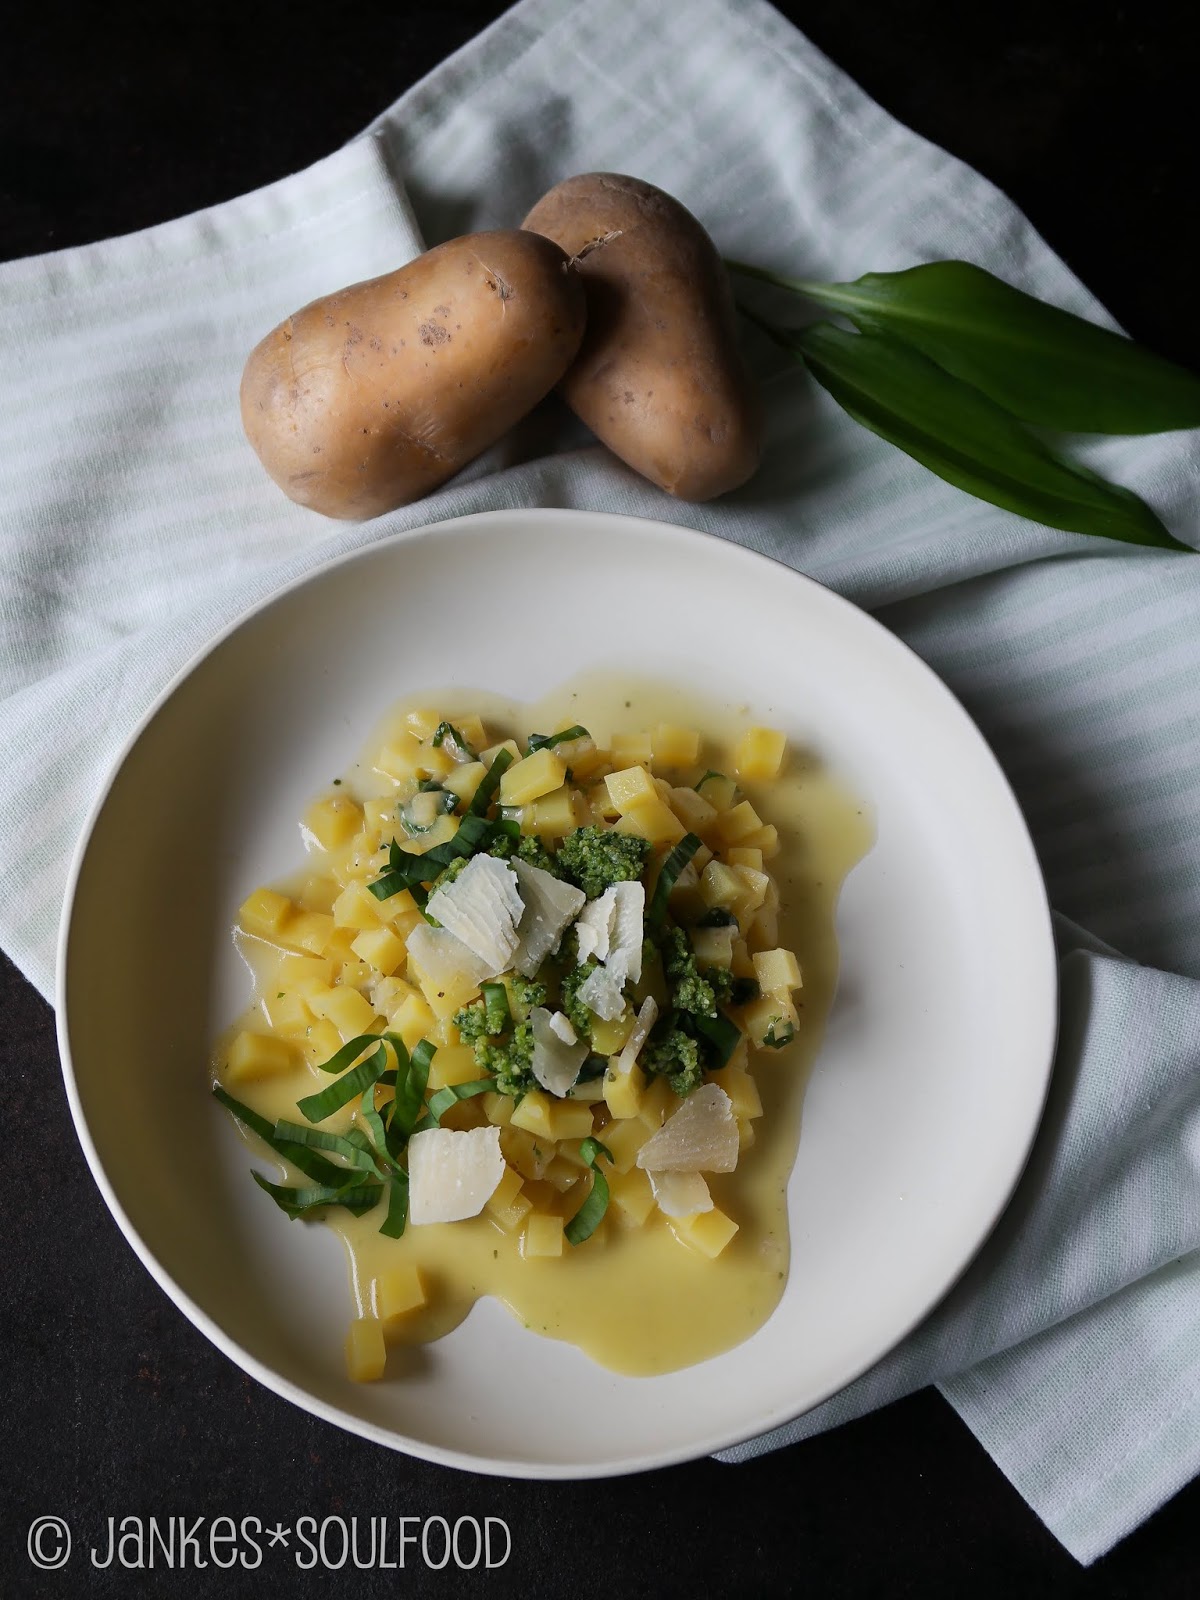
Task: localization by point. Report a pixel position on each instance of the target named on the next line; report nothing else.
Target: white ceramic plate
(923, 1102)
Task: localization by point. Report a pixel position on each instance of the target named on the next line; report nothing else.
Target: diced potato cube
(562, 1173)
(706, 1231)
(398, 758)
(433, 761)
(777, 971)
(527, 780)
(608, 1036)
(740, 856)
(630, 747)
(745, 1135)
(472, 729)
(489, 755)
(422, 723)
(625, 1138)
(465, 779)
(757, 885)
(630, 787)
(769, 1013)
(569, 1119)
(333, 821)
(379, 948)
(653, 820)
(319, 892)
(675, 746)
(765, 840)
(366, 1353)
(631, 1194)
(505, 1192)
(287, 1013)
(413, 1021)
(389, 994)
(350, 1012)
(741, 1089)
(446, 996)
(554, 813)
(763, 932)
(583, 758)
(304, 973)
(513, 1215)
(531, 1156)
(718, 790)
(380, 816)
(398, 1291)
(600, 803)
(733, 825)
(464, 1114)
(713, 947)
(253, 1056)
(624, 1092)
(543, 1236)
(322, 1042)
(452, 1064)
(759, 754)
(533, 1114)
(356, 907)
(658, 1103)
(309, 930)
(721, 886)
(742, 965)
(693, 810)
(498, 1108)
(266, 913)
(590, 1089)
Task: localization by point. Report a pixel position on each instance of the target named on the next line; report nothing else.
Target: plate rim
(463, 1460)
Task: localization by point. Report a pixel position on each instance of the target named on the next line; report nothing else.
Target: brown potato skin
(660, 377)
(371, 397)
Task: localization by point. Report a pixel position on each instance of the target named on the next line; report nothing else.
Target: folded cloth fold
(135, 524)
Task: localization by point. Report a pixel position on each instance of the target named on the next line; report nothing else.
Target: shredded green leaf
(779, 1032)
(497, 1017)
(312, 1164)
(316, 1107)
(547, 741)
(586, 1220)
(489, 783)
(441, 1102)
(669, 872)
(357, 1195)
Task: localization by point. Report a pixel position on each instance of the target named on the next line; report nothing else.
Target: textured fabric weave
(135, 523)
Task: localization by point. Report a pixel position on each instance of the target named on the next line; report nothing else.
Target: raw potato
(374, 395)
(659, 377)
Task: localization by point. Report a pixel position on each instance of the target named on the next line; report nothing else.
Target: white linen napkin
(135, 523)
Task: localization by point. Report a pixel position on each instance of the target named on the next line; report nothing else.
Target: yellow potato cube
(624, 1092)
(625, 1138)
(366, 1353)
(569, 1119)
(319, 892)
(286, 1012)
(554, 813)
(322, 1042)
(721, 886)
(745, 1135)
(513, 1215)
(631, 1194)
(777, 971)
(765, 840)
(266, 913)
(309, 930)
(713, 947)
(379, 817)
(465, 779)
(454, 1063)
(390, 994)
(413, 1021)
(562, 1173)
(398, 758)
(432, 761)
(718, 790)
(498, 1108)
(422, 723)
(333, 821)
(530, 1156)
(763, 932)
(533, 1114)
(755, 890)
(350, 1012)
(527, 780)
(742, 1091)
(740, 856)
(600, 803)
(653, 820)
(742, 965)
(659, 1101)
(759, 754)
(675, 746)
(356, 907)
(583, 758)
(628, 748)
(693, 810)
(770, 1013)
(303, 973)
(543, 1236)
(505, 1192)
(379, 948)
(629, 787)
(472, 729)
(443, 997)
(706, 1231)
(489, 755)
(608, 1036)
(398, 1291)
(733, 825)
(254, 1056)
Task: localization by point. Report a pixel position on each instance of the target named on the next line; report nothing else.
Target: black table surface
(115, 118)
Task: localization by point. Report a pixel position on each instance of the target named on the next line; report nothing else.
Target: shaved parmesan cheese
(452, 1175)
(564, 1028)
(549, 906)
(601, 992)
(442, 957)
(556, 1062)
(593, 926)
(482, 909)
(680, 1194)
(701, 1136)
(645, 1020)
(625, 940)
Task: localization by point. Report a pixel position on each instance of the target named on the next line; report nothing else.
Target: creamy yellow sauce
(636, 1299)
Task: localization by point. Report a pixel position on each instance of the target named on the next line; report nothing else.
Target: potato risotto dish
(528, 1024)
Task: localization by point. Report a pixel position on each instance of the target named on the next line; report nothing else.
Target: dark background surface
(113, 1405)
